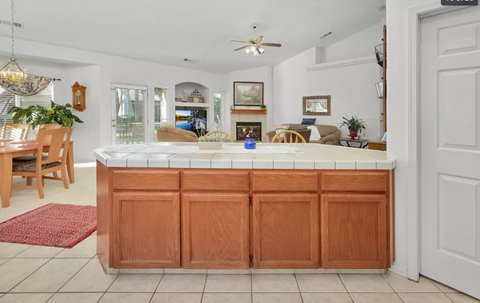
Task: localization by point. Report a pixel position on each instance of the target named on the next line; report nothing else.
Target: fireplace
(249, 130)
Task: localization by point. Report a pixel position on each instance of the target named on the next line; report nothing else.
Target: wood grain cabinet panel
(281, 181)
(146, 230)
(215, 230)
(208, 180)
(148, 179)
(285, 231)
(353, 231)
(354, 181)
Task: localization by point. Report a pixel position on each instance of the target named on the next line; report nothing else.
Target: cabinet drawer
(146, 180)
(208, 180)
(285, 181)
(354, 181)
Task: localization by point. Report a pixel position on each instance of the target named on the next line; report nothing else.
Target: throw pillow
(315, 134)
(309, 121)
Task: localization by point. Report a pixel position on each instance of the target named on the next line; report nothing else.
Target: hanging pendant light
(12, 71)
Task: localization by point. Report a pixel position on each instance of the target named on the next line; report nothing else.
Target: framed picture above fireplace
(247, 93)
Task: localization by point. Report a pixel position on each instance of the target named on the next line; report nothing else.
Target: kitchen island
(219, 206)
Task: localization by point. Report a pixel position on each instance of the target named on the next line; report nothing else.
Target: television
(192, 120)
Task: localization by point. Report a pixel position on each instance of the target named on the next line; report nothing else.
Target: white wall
(104, 70)
(352, 89)
(358, 45)
(260, 74)
(397, 113)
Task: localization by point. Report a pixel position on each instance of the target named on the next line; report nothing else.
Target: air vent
(9, 23)
(326, 35)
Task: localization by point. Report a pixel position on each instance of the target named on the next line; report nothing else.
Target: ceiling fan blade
(239, 41)
(260, 39)
(271, 44)
(240, 48)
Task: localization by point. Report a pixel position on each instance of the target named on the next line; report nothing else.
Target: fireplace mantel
(250, 111)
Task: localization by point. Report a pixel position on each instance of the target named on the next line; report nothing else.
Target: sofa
(329, 133)
(175, 134)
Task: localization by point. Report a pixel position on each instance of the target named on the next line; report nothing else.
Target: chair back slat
(58, 146)
(15, 131)
(287, 137)
(47, 126)
(224, 137)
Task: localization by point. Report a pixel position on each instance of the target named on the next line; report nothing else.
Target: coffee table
(358, 143)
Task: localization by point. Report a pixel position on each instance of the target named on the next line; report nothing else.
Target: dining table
(10, 150)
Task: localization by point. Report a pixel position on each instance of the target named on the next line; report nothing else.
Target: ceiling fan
(255, 45)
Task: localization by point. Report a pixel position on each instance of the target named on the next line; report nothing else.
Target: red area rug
(58, 225)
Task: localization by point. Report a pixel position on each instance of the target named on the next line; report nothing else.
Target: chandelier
(12, 71)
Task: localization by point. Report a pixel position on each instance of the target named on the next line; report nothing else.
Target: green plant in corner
(263, 106)
(38, 114)
(355, 125)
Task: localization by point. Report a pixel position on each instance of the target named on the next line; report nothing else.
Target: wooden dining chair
(15, 131)
(224, 137)
(53, 162)
(287, 137)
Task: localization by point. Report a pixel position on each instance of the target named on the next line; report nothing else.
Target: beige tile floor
(33, 274)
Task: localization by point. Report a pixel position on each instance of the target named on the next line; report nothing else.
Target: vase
(250, 144)
(353, 135)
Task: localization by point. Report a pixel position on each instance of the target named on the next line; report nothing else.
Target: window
(9, 100)
(217, 110)
(160, 106)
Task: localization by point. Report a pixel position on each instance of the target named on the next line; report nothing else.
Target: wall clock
(78, 94)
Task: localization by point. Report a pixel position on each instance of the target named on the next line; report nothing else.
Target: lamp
(12, 71)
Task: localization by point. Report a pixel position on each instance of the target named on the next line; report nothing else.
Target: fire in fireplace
(249, 130)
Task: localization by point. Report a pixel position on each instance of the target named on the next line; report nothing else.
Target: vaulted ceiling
(168, 31)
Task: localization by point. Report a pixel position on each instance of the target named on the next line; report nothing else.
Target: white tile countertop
(234, 156)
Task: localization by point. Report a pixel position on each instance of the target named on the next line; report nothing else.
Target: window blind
(9, 100)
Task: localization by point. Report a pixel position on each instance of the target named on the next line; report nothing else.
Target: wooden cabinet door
(215, 230)
(285, 231)
(146, 230)
(353, 231)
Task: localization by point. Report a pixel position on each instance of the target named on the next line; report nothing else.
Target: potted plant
(38, 114)
(355, 126)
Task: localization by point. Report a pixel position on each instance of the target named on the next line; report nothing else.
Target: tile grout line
(298, 287)
(71, 277)
(343, 283)
(382, 275)
(251, 283)
(204, 286)
(29, 274)
(156, 288)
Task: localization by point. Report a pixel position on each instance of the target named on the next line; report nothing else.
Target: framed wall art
(317, 106)
(248, 93)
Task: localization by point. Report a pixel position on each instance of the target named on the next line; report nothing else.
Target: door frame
(113, 87)
(415, 14)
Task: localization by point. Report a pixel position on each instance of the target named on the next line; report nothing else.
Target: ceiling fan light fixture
(261, 50)
(255, 53)
(247, 50)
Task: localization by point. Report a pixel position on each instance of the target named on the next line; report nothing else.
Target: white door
(450, 149)
(129, 114)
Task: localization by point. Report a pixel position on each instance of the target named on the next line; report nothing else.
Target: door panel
(147, 230)
(353, 231)
(215, 230)
(285, 231)
(129, 116)
(450, 149)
